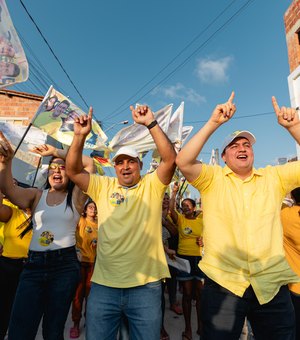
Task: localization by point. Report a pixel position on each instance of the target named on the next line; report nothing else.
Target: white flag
(138, 136)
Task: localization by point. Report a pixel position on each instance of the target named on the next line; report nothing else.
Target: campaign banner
(56, 116)
(13, 62)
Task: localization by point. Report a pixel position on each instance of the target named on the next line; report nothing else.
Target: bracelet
(151, 125)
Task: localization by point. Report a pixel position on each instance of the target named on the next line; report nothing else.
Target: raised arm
(288, 118)
(144, 116)
(187, 157)
(19, 196)
(74, 163)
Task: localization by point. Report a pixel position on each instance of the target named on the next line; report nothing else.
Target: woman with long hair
(86, 244)
(190, 227)
(51, 274)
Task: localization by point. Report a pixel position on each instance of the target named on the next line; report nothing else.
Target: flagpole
(37, 169)
(21, 141)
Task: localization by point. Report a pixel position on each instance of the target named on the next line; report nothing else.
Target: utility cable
(57, 59)
(168, 76)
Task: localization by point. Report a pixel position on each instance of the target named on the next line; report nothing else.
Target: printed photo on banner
(56, 116)
(13, 62)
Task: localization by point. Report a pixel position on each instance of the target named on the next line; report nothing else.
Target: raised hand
(6, 151)
(286, 116)
(142, 115)
(223, 112)
(44, 150)
(83, 124)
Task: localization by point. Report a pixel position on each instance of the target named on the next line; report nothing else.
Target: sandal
(74, 332)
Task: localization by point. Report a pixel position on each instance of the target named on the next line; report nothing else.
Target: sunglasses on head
(54, 166)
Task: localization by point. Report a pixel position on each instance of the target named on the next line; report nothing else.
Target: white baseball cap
(236, 134)
(126, 150)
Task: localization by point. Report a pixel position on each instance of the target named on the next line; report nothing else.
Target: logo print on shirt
(46, 238)
(116, 199)
(187, 230)
(88, 229)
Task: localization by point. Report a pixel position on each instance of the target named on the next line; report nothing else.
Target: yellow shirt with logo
(86, 239)
(130, 251)
(13, 245)
(189, 230)
(290, 219)
(242, 229)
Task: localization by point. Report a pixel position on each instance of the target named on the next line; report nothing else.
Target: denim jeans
(46, 289)
(141, 305)
(224, 314)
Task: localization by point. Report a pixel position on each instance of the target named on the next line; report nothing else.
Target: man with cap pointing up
(244, 260)
(130, 257)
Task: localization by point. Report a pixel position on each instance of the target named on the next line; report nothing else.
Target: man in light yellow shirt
(130, 259)
(244, 260)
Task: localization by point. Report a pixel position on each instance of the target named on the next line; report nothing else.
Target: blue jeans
(224, 314)
(141, 305)
(46, 289)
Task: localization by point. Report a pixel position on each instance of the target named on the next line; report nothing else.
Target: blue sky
(113, 49)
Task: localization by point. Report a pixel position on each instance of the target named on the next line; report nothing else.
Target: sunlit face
(239, 157)
(91, 210)
(127, 170)
(6, 69)
(187, 207)
(57, 174)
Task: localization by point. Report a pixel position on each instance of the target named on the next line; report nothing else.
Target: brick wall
(18, 106)
(292, 30)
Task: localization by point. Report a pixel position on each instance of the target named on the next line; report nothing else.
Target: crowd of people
(106, 241)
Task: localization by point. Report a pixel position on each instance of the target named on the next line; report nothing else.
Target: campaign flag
(186, 130)
(174, 132)
(14, 133)
(138, 136)
(13, 62)
(56, 116)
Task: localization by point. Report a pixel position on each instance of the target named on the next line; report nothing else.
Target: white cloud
(179, 91)
(213, 71)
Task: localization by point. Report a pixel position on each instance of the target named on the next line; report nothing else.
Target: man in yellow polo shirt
(130, 256)
(244, 260)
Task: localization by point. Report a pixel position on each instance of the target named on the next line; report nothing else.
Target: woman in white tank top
(48, 282)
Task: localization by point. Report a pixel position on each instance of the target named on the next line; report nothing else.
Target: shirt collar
(255, 172)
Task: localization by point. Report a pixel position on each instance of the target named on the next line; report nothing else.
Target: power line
(168, 76)
(234, 117)
(57, 59)
(171, 62)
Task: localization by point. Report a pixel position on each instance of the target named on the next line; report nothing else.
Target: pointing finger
(230, 99)
(275, 105)
(90, 114)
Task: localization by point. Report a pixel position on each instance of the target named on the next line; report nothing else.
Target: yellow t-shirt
(86, 239)
(130, 251)
(189, 230)
(242, 230)
(291, 240)
(13, 245)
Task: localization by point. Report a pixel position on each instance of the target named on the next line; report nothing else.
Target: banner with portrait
(13, 62)
(56, 116)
